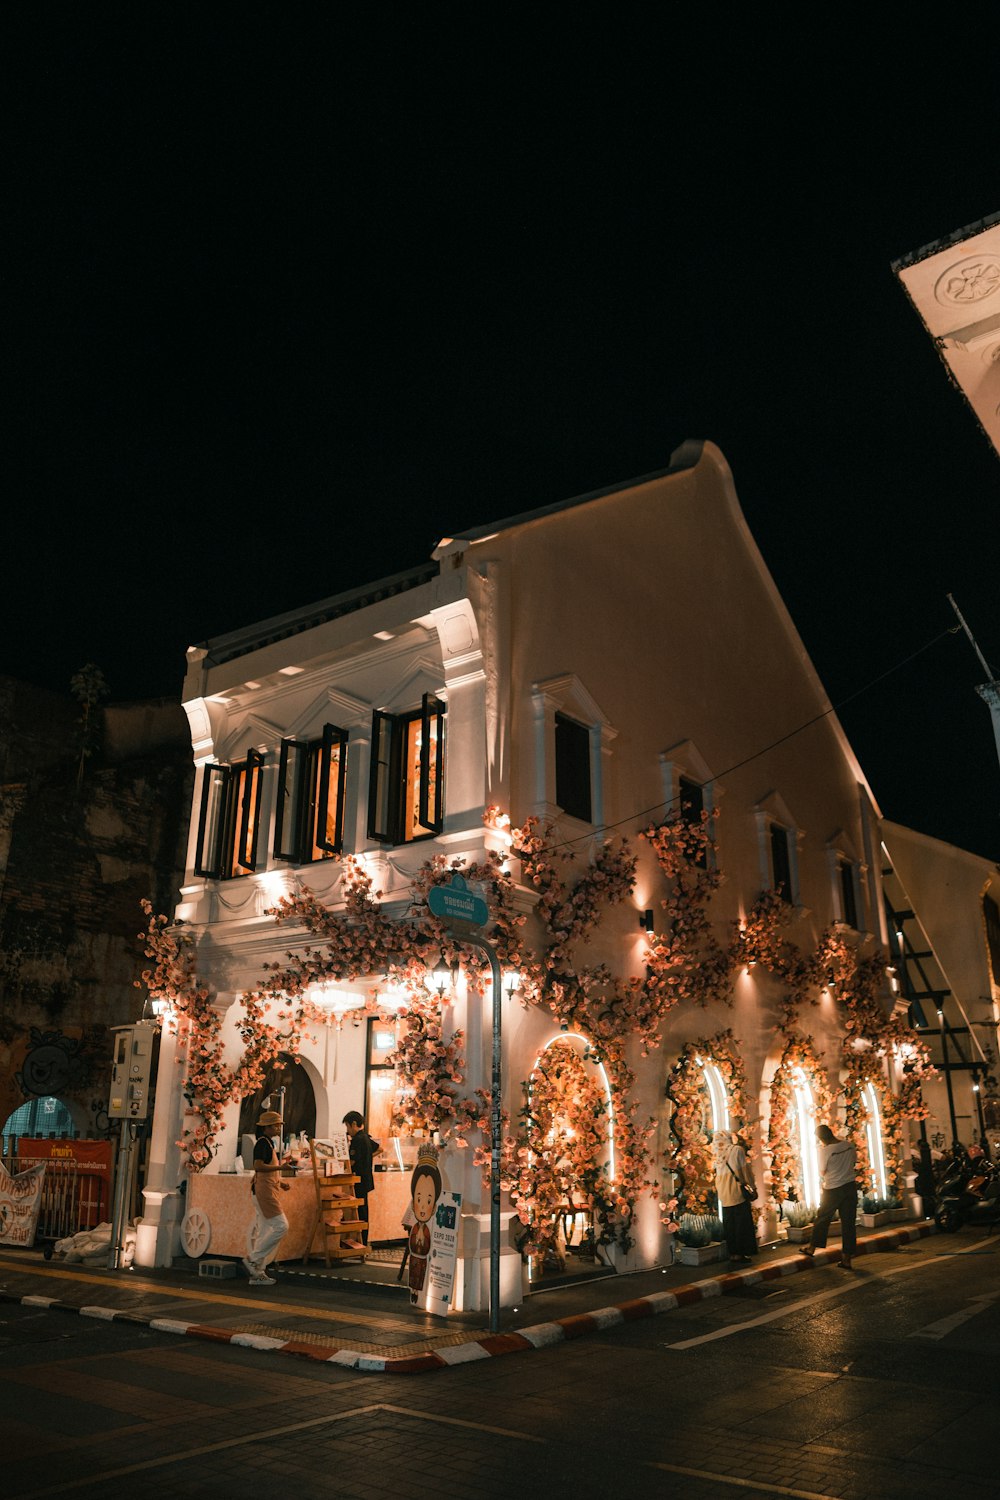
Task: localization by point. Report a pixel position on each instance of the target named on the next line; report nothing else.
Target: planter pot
(799, 1234)
(700, 1255)
(874, 1221)
(899, 1215)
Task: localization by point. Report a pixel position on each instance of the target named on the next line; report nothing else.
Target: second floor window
(230, 818)
(691, 799)
(309, 818)
(573, 768)
(781, 863)
(848, 892)
(406, 790)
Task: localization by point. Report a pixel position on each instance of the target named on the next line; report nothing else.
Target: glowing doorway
(873, 1135)
(804, 1109)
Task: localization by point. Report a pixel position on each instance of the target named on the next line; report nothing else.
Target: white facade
(645, 619)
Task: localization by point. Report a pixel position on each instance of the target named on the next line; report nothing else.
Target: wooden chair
(336, 1217)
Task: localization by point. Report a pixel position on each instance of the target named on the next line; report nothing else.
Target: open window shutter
(291, 767)
(246, 854)
(430, 808)
(208, 850)
(382, 803)
(334, 751)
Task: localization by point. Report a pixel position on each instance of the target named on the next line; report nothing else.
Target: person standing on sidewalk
(838, 1173)
(736, 1190)
(270, 1225)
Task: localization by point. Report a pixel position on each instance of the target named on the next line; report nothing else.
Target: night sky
(288, 297)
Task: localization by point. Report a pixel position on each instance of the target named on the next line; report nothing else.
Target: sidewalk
(363, 1325)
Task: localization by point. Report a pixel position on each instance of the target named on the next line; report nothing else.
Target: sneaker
(263, 1281)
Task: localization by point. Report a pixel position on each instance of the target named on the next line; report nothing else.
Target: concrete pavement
(368, 1324)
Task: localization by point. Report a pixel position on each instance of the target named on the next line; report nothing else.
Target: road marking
(131, 1283)
(744, 1484)
(945, 1326)
(854, 1285)
(270, 1434)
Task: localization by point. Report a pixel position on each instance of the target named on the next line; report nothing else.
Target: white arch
(805, 1115)
(718, 1097)
(575, 1036)
(873, 1132)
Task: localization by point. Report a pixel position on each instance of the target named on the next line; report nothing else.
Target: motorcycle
(961, 1187)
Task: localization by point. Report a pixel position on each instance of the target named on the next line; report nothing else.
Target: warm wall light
(438, 979)
(646, 920)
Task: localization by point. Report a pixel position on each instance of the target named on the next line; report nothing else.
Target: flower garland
(691, 1159)
(799, 1055)
(559, 1158)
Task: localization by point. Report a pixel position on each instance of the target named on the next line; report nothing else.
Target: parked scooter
(961, 1187)
(986, 1213)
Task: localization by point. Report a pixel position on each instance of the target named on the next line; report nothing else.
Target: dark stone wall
(77, 855)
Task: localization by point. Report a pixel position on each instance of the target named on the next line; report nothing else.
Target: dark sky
(287, 297)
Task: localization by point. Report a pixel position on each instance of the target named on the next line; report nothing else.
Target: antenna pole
(988, 691)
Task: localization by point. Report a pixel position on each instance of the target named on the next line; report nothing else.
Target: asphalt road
(881, 1383)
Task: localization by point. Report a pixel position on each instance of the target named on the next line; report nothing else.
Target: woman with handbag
(736, 1191)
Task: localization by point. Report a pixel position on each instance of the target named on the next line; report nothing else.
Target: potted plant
(799, 1219)
(874, 1211)
(897, 1209)
(700, 1237)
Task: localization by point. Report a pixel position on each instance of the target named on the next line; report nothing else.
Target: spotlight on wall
(646, 920)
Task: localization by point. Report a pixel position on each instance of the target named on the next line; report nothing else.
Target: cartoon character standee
(425, 1190)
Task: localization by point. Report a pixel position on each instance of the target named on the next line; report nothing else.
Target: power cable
(662, 807)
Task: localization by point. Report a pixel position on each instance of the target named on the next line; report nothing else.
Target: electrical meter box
(132, 1071)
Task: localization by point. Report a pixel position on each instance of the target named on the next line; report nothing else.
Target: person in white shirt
(838, 1173)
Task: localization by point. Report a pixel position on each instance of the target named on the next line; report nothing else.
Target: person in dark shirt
(363, 1151)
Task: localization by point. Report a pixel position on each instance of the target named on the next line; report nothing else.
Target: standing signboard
(20, 1200)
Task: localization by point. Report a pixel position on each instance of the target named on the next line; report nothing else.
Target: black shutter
(334, 739)
(383, 789)
(430, 808)
(211, 820)
(292, 761)
(246, 852)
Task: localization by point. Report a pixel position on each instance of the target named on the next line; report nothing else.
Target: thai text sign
(20, 1200)
(457, 902)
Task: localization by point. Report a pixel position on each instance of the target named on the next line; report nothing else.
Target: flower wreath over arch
(690, 1157)
(798, 1059)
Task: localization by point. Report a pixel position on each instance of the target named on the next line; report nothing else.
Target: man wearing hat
(270, 1225)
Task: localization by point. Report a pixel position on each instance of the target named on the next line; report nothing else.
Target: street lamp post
(463, 909)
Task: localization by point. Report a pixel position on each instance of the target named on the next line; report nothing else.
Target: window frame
(569, 748)
(232, 840)
(307, 816)
(387, 785)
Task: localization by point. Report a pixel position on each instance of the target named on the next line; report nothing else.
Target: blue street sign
(457, 903)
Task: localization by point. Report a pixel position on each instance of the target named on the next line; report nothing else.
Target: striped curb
(489, 1346)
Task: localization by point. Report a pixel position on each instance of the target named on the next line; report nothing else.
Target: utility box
(132, 1071)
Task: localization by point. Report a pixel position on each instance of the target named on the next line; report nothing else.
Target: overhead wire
(670, 803)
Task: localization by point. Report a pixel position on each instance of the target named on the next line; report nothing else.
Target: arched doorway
(39, 1118)
(299, 1101)
(571, 1150)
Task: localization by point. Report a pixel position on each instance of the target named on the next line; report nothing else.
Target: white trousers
(265, 1237)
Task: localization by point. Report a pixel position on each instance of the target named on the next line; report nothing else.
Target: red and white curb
(488, 1346)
